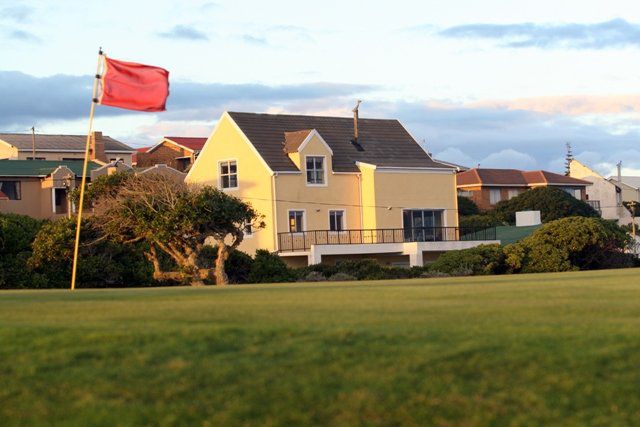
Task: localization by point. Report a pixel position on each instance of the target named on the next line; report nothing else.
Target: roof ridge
(311, 115)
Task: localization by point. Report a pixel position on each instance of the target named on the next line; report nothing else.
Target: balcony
(302, 241)
(595, 204)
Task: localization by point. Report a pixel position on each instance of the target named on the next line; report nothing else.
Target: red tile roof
(515, 177)
(134, 156)
(192, 143)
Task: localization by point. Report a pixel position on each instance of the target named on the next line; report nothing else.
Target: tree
(570, 244)
(175, 219)
(553, 203)
(466, 206)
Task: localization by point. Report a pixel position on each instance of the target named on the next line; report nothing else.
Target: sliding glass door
(422, 225)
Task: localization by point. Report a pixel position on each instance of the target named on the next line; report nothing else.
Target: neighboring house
(39, 188)
(629, 186)
(486, 187)
(332, 188)
(63, 147)
(174, 151)
(603, 195)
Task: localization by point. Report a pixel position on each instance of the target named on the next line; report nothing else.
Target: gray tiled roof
(386, 143)
(23, 141)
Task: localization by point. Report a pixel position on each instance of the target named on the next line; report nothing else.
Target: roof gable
(385, 142)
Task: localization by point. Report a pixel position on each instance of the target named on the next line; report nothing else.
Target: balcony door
(422, 225)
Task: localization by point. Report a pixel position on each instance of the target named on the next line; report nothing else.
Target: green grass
(549, 349)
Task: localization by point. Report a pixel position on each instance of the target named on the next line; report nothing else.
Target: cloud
(184, 32)
(513, 158)
(16, 13)
(25, 36)
(616, 33)
(261, 41)
(64, 97)
(573, 105)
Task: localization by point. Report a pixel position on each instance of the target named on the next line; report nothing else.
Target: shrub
(553, 203)
(483, 259)
(570, 244)
(466, 206)
(269, 268)
(341, 277)
(238, 265)
(101, 264)
(16, 234)
(478, 221)
(314, 276)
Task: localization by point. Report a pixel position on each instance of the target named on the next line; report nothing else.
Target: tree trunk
(220, 274)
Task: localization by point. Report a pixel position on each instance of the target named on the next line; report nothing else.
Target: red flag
(134, 86)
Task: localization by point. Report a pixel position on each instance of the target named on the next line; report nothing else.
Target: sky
(495, 82)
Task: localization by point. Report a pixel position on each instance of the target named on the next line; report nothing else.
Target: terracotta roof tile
(192, 143)
(514, 177)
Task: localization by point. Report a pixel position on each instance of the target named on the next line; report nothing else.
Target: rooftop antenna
(33, 142)
(567, 160)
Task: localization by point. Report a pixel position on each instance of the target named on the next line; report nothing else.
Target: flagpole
(84, 172)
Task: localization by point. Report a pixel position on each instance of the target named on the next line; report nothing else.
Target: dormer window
(315, 170)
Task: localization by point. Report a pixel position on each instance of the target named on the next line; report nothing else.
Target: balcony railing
(595, 204)
(302, 241)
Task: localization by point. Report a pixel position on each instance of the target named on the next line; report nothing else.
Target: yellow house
(333, 187)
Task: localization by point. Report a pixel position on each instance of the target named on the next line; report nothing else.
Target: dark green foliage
(269, 268)
(366, 269)
(553, 203)
(16, 234)
(466, 206)
(102, 264)
(105, 185)
(238, 265)
(574, 243)
(483, 259)
(481, 221)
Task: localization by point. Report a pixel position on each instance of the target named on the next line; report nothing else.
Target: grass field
(549, 349)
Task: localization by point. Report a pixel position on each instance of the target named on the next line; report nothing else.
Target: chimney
(355, 122)
(619, 165)
(97, 147)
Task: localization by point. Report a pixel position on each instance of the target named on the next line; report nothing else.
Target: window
(494, 196)
(10, 190)
(315, 170)
(229, 174)
(336, 220)
(69, 159)
(468, 194)
(422, 225)
(512, 193)
(296, 219)
(575, 192)
(36, 158)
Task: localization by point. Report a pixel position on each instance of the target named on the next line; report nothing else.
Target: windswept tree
(173, 218)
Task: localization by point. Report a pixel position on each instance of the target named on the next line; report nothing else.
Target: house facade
(103, 149)
(176, 152)
(333, 187)
(39, 188)
(604, 195)
(487, 187)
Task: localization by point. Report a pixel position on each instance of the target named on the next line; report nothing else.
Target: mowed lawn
(548, 349)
